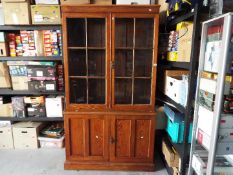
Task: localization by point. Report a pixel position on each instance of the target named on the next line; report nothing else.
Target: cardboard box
(16, 13)
(36, 111)
(102, 2)
(46, 14)
(40, 100)
(6, 110)
(223, 148)
(19, 82)
(171, 156)
(42, 86)
(3, 49)
(1, 15)
(54, 2)
(14, 0)
(210, 86)
(4, 76)
(177, 89)
(73, 2)
(132, 1)
(54, 106)
(6, 138)
(25, 134)
(41, 71)
(185, 43)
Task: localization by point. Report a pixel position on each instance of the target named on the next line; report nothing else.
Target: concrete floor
(50, 162)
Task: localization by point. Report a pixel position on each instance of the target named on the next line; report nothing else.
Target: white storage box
(132, 1)
(46, 142)
(54, 106)
(6, 138)
(54, 2)
(25, 134)
(176, 88)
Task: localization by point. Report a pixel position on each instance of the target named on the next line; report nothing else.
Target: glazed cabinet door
(134, 60)
(86, 137)
(86, 52)
(132, 139)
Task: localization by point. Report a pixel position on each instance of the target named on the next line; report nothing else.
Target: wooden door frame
(140, 107)
(89, 107)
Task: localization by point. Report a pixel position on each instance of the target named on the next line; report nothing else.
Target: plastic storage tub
(46, 142)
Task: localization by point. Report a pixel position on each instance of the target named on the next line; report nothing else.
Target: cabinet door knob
(112, 140)
(141, 137)
(97, 137)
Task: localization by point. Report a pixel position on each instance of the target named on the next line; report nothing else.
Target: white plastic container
(46, 142)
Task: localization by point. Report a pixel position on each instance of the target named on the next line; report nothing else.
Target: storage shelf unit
(10, 92)
(35, 58)
(38, 119)
(191, 66)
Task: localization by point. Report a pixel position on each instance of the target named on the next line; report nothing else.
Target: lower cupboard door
(87, 138)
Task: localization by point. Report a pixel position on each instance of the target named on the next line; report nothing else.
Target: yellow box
(16, 13)
(172, 56)
(19, 82)
(6, 110)
(46, 14)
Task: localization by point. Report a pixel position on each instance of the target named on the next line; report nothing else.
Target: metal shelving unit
(10, 92)
(226, 22)
(184, 148)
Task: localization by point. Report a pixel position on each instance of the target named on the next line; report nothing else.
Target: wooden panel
(77, 137)
(123, 137)
(142, 138)
(96, 137)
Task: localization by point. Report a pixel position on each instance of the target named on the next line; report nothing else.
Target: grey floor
(50, 162)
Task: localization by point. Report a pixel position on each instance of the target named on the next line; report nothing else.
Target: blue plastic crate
(176, 131)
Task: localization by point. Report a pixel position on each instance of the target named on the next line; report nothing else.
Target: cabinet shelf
(167, 100)
(174, 64)
(91, 77)
(181, 18)
(84, 48)
(35, 58)
(39, 119)
(29, 27)
(131, 48)
(133, 77)
(24, 92)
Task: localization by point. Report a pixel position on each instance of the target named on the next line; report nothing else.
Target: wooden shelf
(133, 77)
(29, 27)
(35, 58)
(167, 100)
(13, 92)
(88, 48)
(131, 48)
(181, 18)
(89, 77)
(39, 119)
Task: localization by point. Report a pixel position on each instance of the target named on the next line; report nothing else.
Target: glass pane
(96, 90)
(78, 91)
(95, 32)
(142, 91)
(143, 63)
(123, 91)
(96, 62)
(124, 28)
(144, 29)
(76, 32)
(77, 63)
(123, 63)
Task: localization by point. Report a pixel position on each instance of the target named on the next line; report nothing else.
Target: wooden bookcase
(110, 58)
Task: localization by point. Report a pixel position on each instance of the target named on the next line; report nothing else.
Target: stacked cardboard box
(6, 137)
(35, 106)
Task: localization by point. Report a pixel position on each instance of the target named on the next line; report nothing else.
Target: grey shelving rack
(226, 35)
(10, 92)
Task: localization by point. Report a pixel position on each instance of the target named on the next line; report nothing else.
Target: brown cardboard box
(6, 110)
(66, 2)
(102, 2)
(19, 82)
(3, 49)
(16, 13)
(171, 156)
(6, 138)
(185, 43)
(45, 14)
(14, 0)
(4, 76)
(25, 134)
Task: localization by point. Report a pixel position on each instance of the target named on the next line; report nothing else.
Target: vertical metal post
(219, 93)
